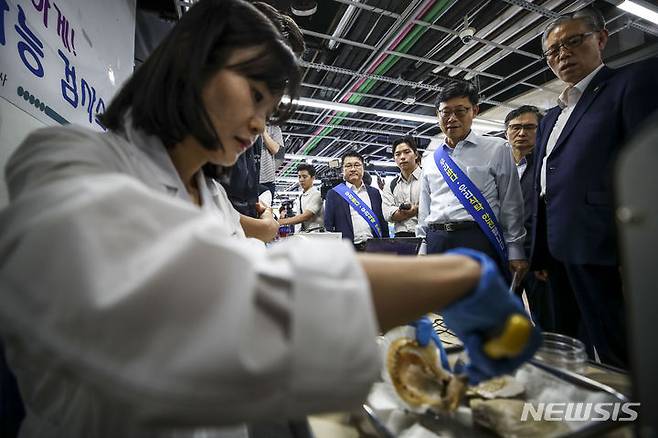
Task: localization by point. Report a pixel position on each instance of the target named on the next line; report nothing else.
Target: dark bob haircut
(163, 96)
(524, 109)
(458, 89)
(307, 167)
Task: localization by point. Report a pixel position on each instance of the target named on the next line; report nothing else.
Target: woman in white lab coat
(132, 304)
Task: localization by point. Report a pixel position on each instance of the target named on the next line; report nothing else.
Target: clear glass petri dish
(563, 352)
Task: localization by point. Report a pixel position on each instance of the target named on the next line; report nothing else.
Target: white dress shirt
(406, 191)
(488, 162)
(126, 305)
(567, 100)
(362, 230)
(311, 200)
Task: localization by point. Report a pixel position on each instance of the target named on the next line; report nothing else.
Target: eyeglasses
(568, 43)
(353, 165)
(518, 127)
(459, 112)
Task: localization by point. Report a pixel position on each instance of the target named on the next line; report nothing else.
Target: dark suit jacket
(579, 197)
(528, 191)
(338, 215)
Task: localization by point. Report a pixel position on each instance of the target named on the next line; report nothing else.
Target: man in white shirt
(574, 234)
(401, 195)
(442, 219)
(310, 202)
(340, 216)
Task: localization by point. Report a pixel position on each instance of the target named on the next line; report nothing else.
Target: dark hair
(286, 25)
(307, 167)
(164, 95)
(523, 110)
(590, 15)
(458, 89)
(409, 140)
(352, 154)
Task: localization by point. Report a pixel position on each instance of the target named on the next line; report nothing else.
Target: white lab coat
(129, 311)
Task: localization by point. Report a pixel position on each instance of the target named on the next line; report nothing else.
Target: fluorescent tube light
(382, 163)
(407, 116)
(315, 103)
(480, 125)
(642, 9)
(308, 157)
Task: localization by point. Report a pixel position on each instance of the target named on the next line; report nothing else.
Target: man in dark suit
(341, 216)
(521, 129)
(574, 235)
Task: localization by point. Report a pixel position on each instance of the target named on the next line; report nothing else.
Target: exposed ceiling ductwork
(391, 57)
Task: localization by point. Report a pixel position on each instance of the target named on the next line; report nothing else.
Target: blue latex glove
(478, 316)
(425, 333)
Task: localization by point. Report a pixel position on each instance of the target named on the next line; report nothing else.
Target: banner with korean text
(62, 61)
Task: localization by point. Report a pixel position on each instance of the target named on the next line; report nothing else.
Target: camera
(466, 35)
(287, 207)
(405, 206)
(331, 177)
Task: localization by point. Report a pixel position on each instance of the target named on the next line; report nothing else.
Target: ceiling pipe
(530, 34)
(522, 32)
(484, 32)
(342, 24)
(533, 74)
(383, 63)
(424, 59)
(373, 96)
(309, 145)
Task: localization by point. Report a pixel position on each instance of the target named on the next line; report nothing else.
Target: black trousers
(441, 241)
(540, 300)
(588, 301)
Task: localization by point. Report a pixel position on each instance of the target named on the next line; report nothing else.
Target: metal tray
(544, 376)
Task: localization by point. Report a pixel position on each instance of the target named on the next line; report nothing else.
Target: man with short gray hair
(574, 234)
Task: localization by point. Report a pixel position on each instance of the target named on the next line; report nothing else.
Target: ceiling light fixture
(303, 8)
(307, 157)
(406, 116)
(408, 96)
(480, 125)
(640, 8)
(314, 103)
(382, 163)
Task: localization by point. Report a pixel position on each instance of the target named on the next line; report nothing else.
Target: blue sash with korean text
(361, 207)
(472, 199)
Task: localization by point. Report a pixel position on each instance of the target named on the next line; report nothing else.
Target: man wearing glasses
(354, 208)
(574, 235)
(484, 213)
(521, 129)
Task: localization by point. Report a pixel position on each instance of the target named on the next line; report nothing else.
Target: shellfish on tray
(418, 378)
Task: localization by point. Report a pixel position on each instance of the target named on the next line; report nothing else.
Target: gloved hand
(479, 316)
(425, 333)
